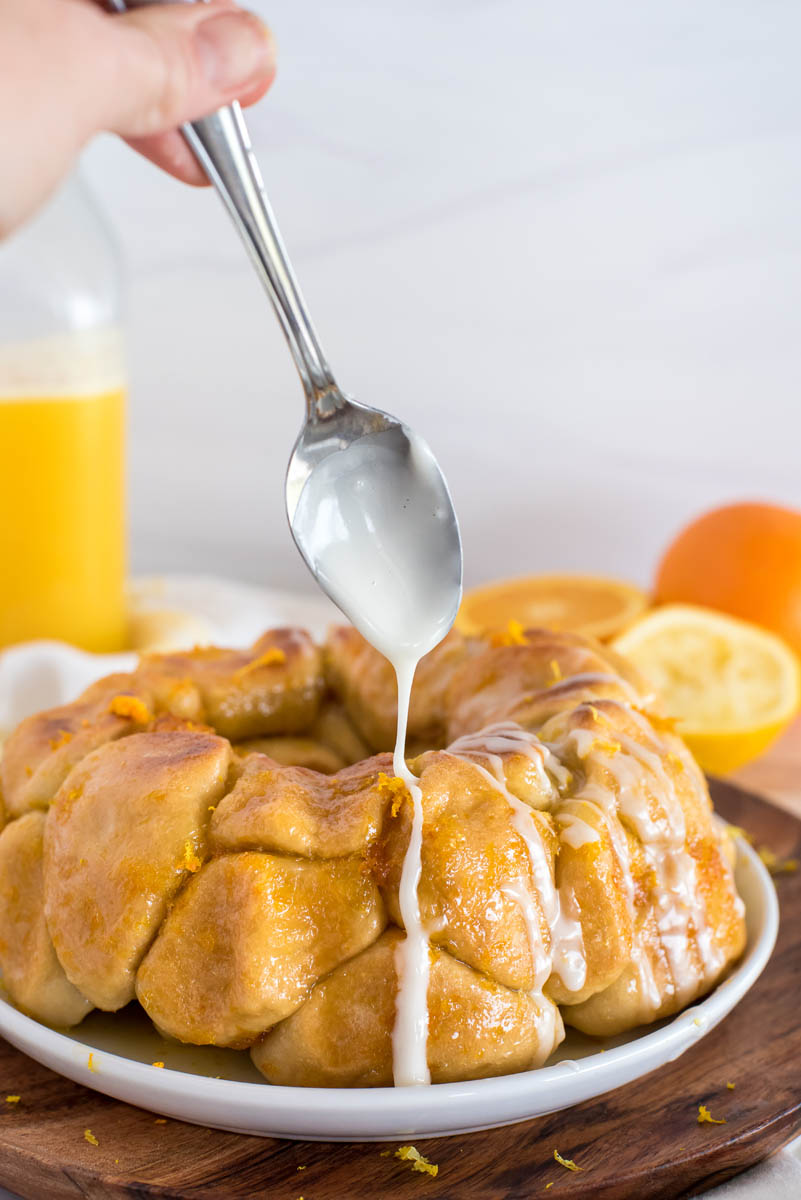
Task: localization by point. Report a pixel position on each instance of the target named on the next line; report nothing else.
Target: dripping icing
(566, 956)
(412, 955)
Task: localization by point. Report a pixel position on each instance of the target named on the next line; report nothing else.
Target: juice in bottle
(62, 556)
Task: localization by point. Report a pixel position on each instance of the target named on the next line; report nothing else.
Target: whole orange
(744, 559)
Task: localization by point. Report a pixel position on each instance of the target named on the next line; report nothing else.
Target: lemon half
(731, 686)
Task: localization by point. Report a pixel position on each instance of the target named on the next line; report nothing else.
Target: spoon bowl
(372, 516)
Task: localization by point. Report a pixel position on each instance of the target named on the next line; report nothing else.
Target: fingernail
(236, 50)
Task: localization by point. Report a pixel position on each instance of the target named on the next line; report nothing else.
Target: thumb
(170, 63)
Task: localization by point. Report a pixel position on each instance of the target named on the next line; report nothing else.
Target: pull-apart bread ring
(220, 836)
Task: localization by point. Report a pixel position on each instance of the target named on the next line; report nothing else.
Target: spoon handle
(222, 146)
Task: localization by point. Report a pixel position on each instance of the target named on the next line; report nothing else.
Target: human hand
(69, 70)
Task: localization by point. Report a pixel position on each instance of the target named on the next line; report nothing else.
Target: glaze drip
(412, 956)
(566, 950)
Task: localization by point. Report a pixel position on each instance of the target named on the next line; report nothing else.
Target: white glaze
(574, 830)
(658, 822)
(412, 956)
(566, 951)
(374, 523)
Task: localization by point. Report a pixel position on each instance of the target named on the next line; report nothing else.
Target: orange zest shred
(730, 1086)
(29, 771)
(90, 1062)
(606, 746)
(556, 670)
(131, 707)
(274, 657)
(513, 635)
(659, 722)
(566, 1162)
(157, 1064)
(776, 865)
(90, 1137)
(705, 1117)
(190, 861)
(393, 787)
(13, 1099)
(675, 760)
(419, 1162)
(160, 1121)
(549, 1185)
(64, 736)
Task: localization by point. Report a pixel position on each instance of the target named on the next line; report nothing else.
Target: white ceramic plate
(221, 1088)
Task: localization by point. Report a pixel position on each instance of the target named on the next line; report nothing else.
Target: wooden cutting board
(640, 1141)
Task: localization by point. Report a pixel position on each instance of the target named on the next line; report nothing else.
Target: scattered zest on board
(566, 1162)
(705, 1117)
(776, 865)
(419, 1161)
(90, 1137)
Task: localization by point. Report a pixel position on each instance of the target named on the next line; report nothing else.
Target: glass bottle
(62, 428)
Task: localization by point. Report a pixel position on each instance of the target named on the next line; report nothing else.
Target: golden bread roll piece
(333, 727)
(275, 687)
(289, 810)
(641, 993)
(675, 902)
(248, 938)
(124, 832)
(293, 752)
(591, 885)
(498, 683)
(342, 1035)
(366, 683)
(43, 749)
(32, 975)
(477, 893)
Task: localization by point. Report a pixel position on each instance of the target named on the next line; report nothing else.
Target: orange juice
(62, 546)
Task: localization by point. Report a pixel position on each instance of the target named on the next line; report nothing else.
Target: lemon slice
(731, 686)
(585, 604)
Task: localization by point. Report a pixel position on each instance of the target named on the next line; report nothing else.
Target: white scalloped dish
(222, 1089)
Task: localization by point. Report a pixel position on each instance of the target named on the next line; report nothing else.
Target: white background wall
(561, 239)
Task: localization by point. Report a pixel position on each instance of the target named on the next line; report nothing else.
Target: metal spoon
(334, 422)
